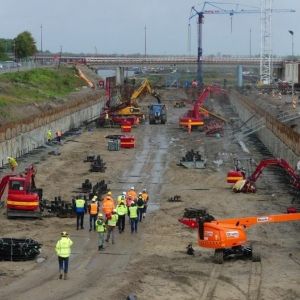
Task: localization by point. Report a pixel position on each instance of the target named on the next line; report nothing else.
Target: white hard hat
(132, 188)
(124, 193)
(144, 190)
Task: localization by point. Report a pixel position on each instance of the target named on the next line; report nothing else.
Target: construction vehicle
(195, 116)
(157, 113)
(228, 236)
(23, 198)
(247, 184)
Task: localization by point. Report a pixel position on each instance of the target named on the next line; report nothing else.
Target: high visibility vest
(133, 212)
(63, 247)
(113, 220)
(139, 202)
(145, 197)
(108, 205)
(79, 203)
(12, 162)
(93, 208)
(100, 226)
(49, 135)
(121, 210)
(119, 199)
(132, 194)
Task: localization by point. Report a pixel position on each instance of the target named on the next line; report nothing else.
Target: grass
(37, 85)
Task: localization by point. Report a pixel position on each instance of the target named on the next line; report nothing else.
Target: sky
(118, 26)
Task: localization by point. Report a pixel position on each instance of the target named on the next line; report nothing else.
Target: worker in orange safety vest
(189, 126)
(131, 193)
(145, 197)
(108, 204)
(93, 210)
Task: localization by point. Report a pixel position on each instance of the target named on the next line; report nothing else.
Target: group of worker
(104, 217)
(58, 135)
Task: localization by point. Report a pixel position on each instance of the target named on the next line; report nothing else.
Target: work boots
(60, 275)
(65, 276)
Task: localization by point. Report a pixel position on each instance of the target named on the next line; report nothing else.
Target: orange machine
(228, 236)
(23, 199)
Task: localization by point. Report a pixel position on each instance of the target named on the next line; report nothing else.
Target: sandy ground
(153, 263)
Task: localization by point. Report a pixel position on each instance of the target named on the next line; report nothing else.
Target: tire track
(255, 279)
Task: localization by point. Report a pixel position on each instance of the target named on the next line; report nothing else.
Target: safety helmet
(114, 210)
(132, 188)
(124, 193)
(140, 193)
(100, 216)
(109, 193)
(64, 233)
(144, 190)
(94, 199)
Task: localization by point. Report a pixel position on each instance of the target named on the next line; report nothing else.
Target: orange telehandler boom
(228, 236)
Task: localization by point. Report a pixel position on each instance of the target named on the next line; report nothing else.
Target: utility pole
(145, 41)
(60, 56)
(41, 39)
(250, 44)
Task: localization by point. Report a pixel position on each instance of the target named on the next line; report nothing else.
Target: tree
(25, 45)
(5, 48)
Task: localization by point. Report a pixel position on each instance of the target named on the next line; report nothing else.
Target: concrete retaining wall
(27, 141)
(269, 139)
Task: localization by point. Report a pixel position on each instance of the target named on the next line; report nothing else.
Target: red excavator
(247, 184)
(228, 236)
(23, 198)
(194, 116)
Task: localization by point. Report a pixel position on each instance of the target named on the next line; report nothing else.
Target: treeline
(22, 46)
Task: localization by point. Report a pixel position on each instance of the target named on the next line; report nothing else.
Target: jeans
(93, 219)
(133, 223)
(63, 263)
(80, 216)
(110, 231)
(121, 223)
(140, 212)
(100, 239)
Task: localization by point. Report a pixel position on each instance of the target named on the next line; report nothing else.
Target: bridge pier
(120, 75)
(239, 74)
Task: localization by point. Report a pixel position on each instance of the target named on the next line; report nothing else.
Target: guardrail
(286, 134)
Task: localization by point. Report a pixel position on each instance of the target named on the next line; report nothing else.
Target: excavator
(194, 116)
(23, 198)
(247, 184)
(227, 236)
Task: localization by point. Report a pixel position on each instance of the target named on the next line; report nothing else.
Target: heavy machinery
(247, 184)
(194, 116)
(157, 113)
(228, 236)
(23, 198)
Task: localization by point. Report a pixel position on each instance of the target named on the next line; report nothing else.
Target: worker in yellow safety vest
(100, 228)
(80, 209)
(63, 251)
(12, 163)
(93, 210)
(132, 211)
(145, 197)
(121, 197)
(49, 135)
(111, 225)
(121, 211)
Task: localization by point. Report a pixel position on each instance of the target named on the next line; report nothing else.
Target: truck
(23, 198)
(157, 113)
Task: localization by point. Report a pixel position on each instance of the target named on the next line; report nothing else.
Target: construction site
(217, 155)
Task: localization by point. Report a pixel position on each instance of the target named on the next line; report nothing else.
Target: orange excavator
(228, 237)
(23, 198)
(247, 184)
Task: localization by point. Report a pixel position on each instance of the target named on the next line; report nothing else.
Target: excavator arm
(144, 87)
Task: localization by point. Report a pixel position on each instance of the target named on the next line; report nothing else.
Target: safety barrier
(286, 134)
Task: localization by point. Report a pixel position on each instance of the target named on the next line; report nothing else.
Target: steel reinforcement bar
(286, 134)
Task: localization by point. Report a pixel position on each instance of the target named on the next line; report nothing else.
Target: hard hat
(109, 193)
(93, 200)
(144, 190)
(132, 188)
(64, 233)
(140, 193)
(100, 215)
(124, 193)
(114, 210)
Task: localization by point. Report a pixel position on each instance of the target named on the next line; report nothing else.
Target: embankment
(19, 138)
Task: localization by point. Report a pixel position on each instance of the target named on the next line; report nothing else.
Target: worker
(12, 163)
(93, 212)
(121, 198)
(111, 225)
(80, 208)
(132, 210)
(146, 199)
(132, 193)
(63, 251)
(121, 211)
(49, 135)
(108, 204)
(140, 207)
(58, 134)
(106, 119)
(100, 228)
(189, 126)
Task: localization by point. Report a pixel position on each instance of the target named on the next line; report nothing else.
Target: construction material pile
(97, 163)
(99, 189)
(194, 213)
(18, 249)
(57, 208)
(193, 159)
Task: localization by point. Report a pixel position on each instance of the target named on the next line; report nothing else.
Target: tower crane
(217, 8)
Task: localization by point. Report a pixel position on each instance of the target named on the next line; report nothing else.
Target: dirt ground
(153, 263)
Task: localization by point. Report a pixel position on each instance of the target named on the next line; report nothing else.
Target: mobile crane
(23, 198)
(228, 237)
(247, 184)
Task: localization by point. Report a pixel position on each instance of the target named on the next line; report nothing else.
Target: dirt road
(153, 263)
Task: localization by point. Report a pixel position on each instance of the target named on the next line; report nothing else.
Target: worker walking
(121, 197)
(63, 251)
(140, 207)
(132, 210)
(80, 209)
(108, 204)
(93, 210)
(49, 135)
(121, 211)
(145, 197)
(58, 134)
(189, 126)
(111, 225)
(131, 193)
(12, 163)
(100, 228)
